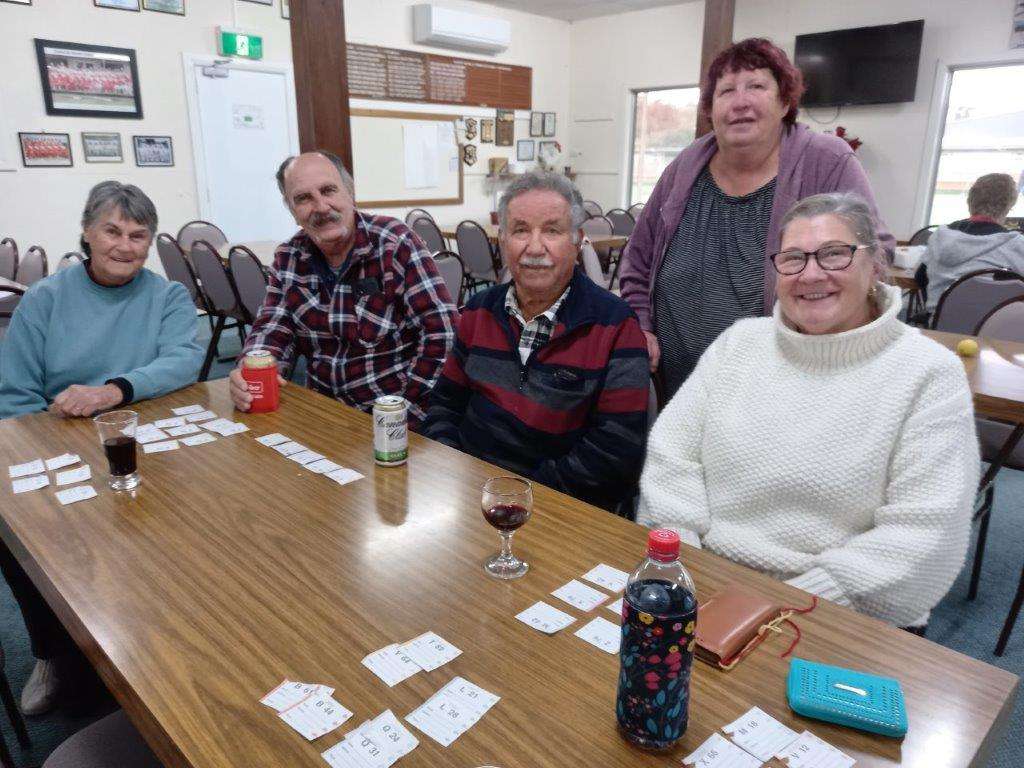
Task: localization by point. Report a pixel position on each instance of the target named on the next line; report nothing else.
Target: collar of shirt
(512, 307)
(537, 332)
(361, 246)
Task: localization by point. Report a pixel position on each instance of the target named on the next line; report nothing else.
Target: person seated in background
(95, 336)
(549, 375)
(979, 242)
(830, 445)
(357, 295)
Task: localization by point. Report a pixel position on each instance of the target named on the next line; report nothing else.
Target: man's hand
(80, 400)
(653, 350)
(240, 391)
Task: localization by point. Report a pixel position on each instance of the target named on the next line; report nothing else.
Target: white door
(243, 126)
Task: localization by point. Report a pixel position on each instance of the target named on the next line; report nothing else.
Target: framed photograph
(17, 2)
(261, 2)
(536, 123)
(525, 149)
(88, 80)
(504, 127)
(165, 6)
(548, 149)
(124, 5)
(549, 123)
(102, 147)
(39, 150)
(286, 11)
(153, 151)
(487, 131)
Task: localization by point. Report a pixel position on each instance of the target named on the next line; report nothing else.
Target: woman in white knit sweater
(829, 445)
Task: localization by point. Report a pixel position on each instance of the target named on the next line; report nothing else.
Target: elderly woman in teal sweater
(104, 333)
(92, 337)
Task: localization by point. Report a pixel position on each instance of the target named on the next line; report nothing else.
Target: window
(983, 133)
(664, 122)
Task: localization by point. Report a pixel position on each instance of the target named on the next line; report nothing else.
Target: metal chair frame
(441, 255)
(34, 250)
(185, 226)
(921, 236)
(590, 206)
(14, 249)
(996, 274)
(417, 213)
(473, 277)
(67, 258)
(235, 312)
(244, 253)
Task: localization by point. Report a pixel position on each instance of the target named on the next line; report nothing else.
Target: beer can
(259, 369)
(390, 430)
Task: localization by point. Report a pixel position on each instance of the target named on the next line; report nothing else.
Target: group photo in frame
(121, 5)
(82, 80)
(153, 151)
(549, 124)
(102, 148)
(45, 150)
(525, 150)
(536, 124)
(176, 7)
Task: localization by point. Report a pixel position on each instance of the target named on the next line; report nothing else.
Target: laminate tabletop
(231, 568)
(996, 374)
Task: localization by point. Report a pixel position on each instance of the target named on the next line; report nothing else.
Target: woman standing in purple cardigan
(698, 258)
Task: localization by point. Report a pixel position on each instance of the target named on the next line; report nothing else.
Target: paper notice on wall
(1017, 28)
(248, 117)
(421, 155)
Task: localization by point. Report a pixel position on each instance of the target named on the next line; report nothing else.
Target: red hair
(750, 54)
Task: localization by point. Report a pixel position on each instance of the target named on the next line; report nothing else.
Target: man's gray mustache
(325, 218)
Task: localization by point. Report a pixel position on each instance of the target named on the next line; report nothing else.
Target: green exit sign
(231, 42)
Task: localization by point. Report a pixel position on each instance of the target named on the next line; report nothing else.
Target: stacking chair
(922, 235)
(599, 226)
(178, 269)
(622, 221)
(250, 280)
(14, 715)
(429, 232)
(592, 264)
(200, 230)
(453, 272)
(965, 303)
(476, 253)
(32, 267)
(221, 297)
(634, 210)
(9, 298)
(8, 258)
(69, 259)
(592, 208)
(416, 213)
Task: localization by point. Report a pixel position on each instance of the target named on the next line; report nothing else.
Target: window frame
(627, 192)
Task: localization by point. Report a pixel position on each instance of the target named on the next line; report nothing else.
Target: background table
(611, 241)
(231, 568)
(996, 374)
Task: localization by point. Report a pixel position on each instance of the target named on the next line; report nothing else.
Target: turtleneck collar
(836, 350)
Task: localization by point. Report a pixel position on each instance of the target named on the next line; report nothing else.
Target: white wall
(610, 56)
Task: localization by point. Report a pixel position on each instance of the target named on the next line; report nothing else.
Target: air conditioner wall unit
(443, 27)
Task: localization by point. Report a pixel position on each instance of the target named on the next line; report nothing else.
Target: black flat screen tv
(866, 65)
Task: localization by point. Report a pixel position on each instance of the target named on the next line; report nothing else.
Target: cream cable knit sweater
(848, 461)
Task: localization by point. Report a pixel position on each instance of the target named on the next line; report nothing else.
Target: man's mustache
(535, 261)
(319, 219)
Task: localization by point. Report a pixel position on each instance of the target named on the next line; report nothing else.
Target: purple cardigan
(809, 163)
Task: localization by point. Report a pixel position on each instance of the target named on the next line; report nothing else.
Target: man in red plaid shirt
(358, 295)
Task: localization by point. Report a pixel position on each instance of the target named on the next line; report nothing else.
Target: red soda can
(259, 369)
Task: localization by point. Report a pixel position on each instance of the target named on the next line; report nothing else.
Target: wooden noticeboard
(396, 75)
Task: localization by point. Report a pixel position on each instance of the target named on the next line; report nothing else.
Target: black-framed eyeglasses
(831, 258)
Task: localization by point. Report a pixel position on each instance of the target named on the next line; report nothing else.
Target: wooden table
(263, 250)
(903, 278)
(231, 568)
(996, 375)
(611, 241)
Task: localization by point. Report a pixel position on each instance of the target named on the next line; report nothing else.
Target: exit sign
(231, 42)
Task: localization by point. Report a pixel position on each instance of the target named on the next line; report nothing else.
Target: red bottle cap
(663, 545)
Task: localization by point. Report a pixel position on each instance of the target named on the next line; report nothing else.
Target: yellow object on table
(967, 348)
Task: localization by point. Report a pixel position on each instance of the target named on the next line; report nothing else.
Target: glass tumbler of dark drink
(117, 435)
(507, 504)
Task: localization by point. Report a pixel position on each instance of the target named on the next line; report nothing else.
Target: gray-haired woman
(103, 333)
(830, 444)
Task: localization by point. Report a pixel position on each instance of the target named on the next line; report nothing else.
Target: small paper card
(78, 493)
(144, 437)
(391, 664)
(808, 751)
(287, 449)
(200, 416)
(166, 445)
(274, 438)
(602, 634)
(579, 595)
(605, 576)
(390, 735)
(64, 460)
(185, 410)
(323, 466)
(306, 457)
(430, 651)
(344, 475)
(760, 734)
(175, 421)
(719, 752)
(77, 475)
(34, 483)
(616, 607)
(544, 617)
(28, 468)
(205, 437)
(288, 693)
(226, 427)
(185, 429)
(452, 710)
(315, 716)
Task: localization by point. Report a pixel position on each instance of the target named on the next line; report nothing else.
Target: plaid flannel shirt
(385, 330)
(534, 334)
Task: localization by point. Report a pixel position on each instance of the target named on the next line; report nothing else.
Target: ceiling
(574, 10)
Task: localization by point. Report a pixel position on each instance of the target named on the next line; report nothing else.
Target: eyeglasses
(831, 258)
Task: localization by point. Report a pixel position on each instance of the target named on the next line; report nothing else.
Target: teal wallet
(843, 696)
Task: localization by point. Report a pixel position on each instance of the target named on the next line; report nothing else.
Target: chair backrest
(634, 210)
(1004, 322)
(453, 271)
(9, 298)
(417, 213)
(971, 297)
(213, 279)
(200, 230)
(622, 221)
(592, 208)
(8, 258)
(69, 259)
(591, 264)
(429, 233)
(475, 251)
(921, 236)
(250, 280)
(597, 226)
(177, 267)
(32, 267)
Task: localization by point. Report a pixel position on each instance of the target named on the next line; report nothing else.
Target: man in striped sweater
(549, 374)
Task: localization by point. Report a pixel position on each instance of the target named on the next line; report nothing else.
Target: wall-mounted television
(865, 65)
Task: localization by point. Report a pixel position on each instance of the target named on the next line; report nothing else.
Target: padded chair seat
(111, 742)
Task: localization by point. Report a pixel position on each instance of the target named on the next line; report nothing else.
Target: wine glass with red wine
(507, 504)
(117, 435)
